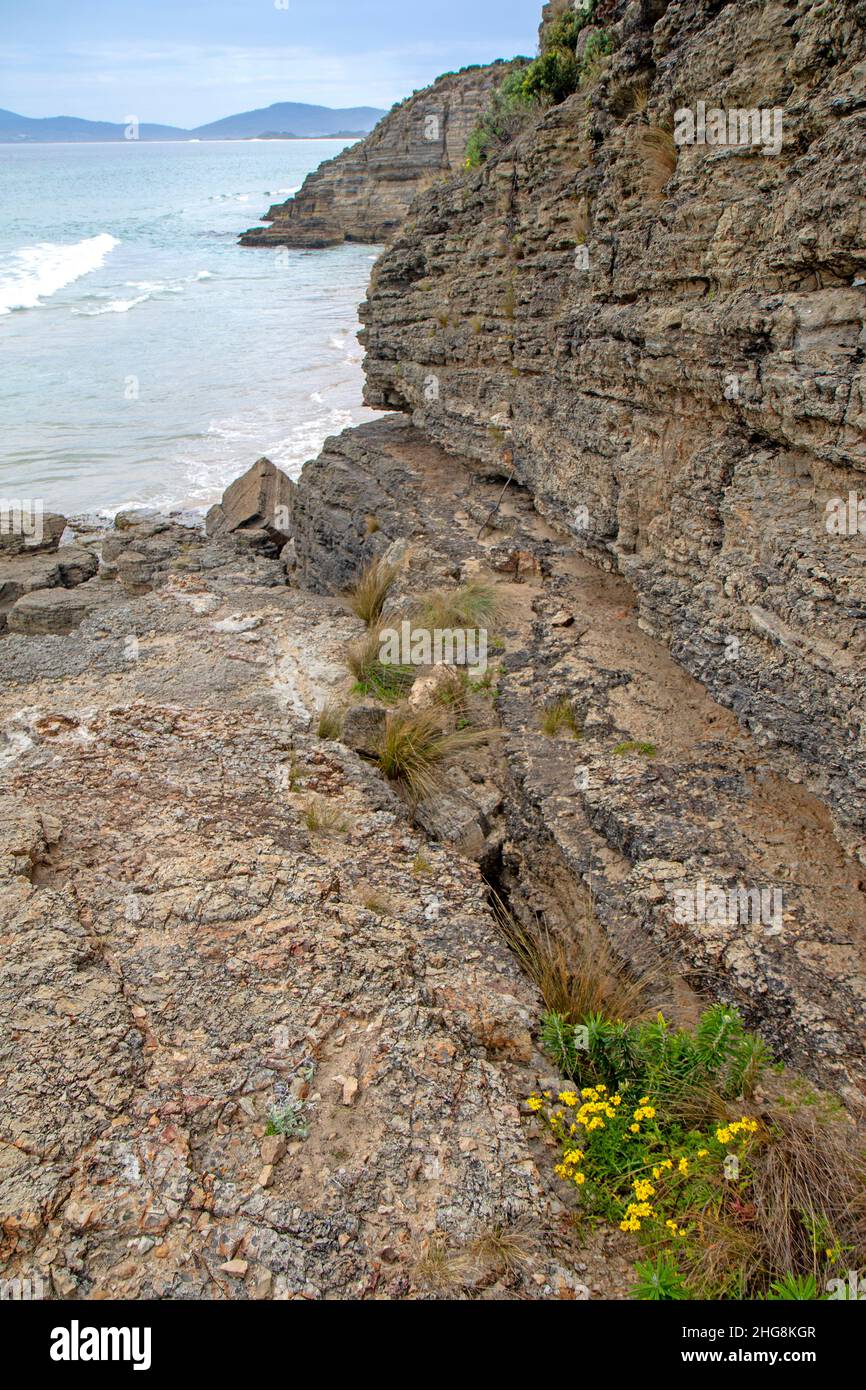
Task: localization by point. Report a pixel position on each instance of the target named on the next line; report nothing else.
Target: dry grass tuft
(377, 902)
(472, 605)
(581, 978)
(414, 748)
(806, 1196)
(581, 223)
(507, 1251)
(321, 818)
(441, 1268)
(809, 1189)
(370, 591)
(659, 152)
(638, 100)
(330, 723)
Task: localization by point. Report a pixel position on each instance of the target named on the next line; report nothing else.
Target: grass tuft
(659, 152)
(585, 978)
(320, 818)
(383, 681)
(561, 716)
(414, 748)
(646, 750)
(330, 723)
(370, 591)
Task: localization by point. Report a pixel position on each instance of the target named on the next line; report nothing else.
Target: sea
(147, 360)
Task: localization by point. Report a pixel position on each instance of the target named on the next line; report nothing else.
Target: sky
(186, 62)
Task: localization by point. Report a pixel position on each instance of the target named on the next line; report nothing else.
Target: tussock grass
(321, 818)
(506, 1251)
(369, 593)
(584, 978)
(472, 605)
(559, 717)
(441, 1268)
(383, 681)
(377, 902)
(330, 722)
(659, 153)
(414, 748)
(638, 99)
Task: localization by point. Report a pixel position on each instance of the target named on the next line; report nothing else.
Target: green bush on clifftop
(547, 80)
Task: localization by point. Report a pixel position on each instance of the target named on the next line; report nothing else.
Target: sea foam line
(38, 272)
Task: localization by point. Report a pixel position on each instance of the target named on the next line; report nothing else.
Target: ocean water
(145, 358)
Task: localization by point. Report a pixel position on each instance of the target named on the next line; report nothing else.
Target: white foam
(37, 272)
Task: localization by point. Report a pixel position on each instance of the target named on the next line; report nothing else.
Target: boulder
(139, 516)
(25, 573)
(76, 565)
(49, 611)
(52, 527)
(259, 500)
(363, 727)
(135, 570)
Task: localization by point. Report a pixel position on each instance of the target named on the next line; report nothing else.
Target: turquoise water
(146, 358)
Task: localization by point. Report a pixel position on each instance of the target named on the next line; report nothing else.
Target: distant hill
(301, 120)
(291, 116)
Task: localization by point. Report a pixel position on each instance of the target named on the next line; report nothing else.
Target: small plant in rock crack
(330, 724)
(644, 750)
(322, 819)
(288, 1118)
(561, 718)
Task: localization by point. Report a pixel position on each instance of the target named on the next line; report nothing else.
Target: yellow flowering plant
(642, 1169)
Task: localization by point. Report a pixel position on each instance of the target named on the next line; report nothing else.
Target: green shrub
(546, 81)
(766, 1205)
(652, 1056)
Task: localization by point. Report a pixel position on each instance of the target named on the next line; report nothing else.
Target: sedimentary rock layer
(365, 192)
(666, 345)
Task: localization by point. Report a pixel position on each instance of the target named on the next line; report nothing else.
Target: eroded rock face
(365, 192)
(660, 792)
(676, 372)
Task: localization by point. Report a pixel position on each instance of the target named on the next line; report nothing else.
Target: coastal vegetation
(549, 79)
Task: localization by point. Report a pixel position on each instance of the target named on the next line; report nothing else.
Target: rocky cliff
(365, 192)
(665, 344)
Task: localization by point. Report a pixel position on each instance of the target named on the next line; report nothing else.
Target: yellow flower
(702, 1153)
(644, 1100)
(616, 1100)
(568, 1097)
(635, 1129)
(580, 1179)
(683, 1166)
(535, 1102)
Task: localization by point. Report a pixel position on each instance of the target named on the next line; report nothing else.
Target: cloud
(161, 80)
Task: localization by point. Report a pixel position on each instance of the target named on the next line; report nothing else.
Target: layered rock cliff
(665, 344)
(365, 192)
